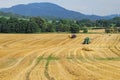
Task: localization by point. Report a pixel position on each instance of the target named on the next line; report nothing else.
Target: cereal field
(57, 57)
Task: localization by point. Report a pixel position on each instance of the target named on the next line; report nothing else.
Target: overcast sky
(97, 7)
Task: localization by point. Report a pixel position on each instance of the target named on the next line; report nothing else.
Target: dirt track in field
(57, 57)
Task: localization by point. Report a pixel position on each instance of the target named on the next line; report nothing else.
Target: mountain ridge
(46, 9)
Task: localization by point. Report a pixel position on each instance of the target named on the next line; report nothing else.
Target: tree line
(38, 25)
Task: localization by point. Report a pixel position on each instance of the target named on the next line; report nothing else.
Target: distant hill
(49, 10)
(9, 14)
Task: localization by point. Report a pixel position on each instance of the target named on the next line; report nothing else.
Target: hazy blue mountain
(49, 10)
(112, 16)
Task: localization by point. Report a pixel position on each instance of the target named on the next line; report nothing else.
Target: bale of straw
(87, 49)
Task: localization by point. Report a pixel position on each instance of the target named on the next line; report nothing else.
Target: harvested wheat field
(57, 57)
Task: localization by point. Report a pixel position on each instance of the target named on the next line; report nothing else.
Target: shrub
(85, 30)
(107, 31)
(74, 28)
(118, 29)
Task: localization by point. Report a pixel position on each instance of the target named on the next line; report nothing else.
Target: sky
(89, 7)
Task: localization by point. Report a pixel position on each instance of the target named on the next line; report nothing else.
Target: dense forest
(40, 25)
(8, 14)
